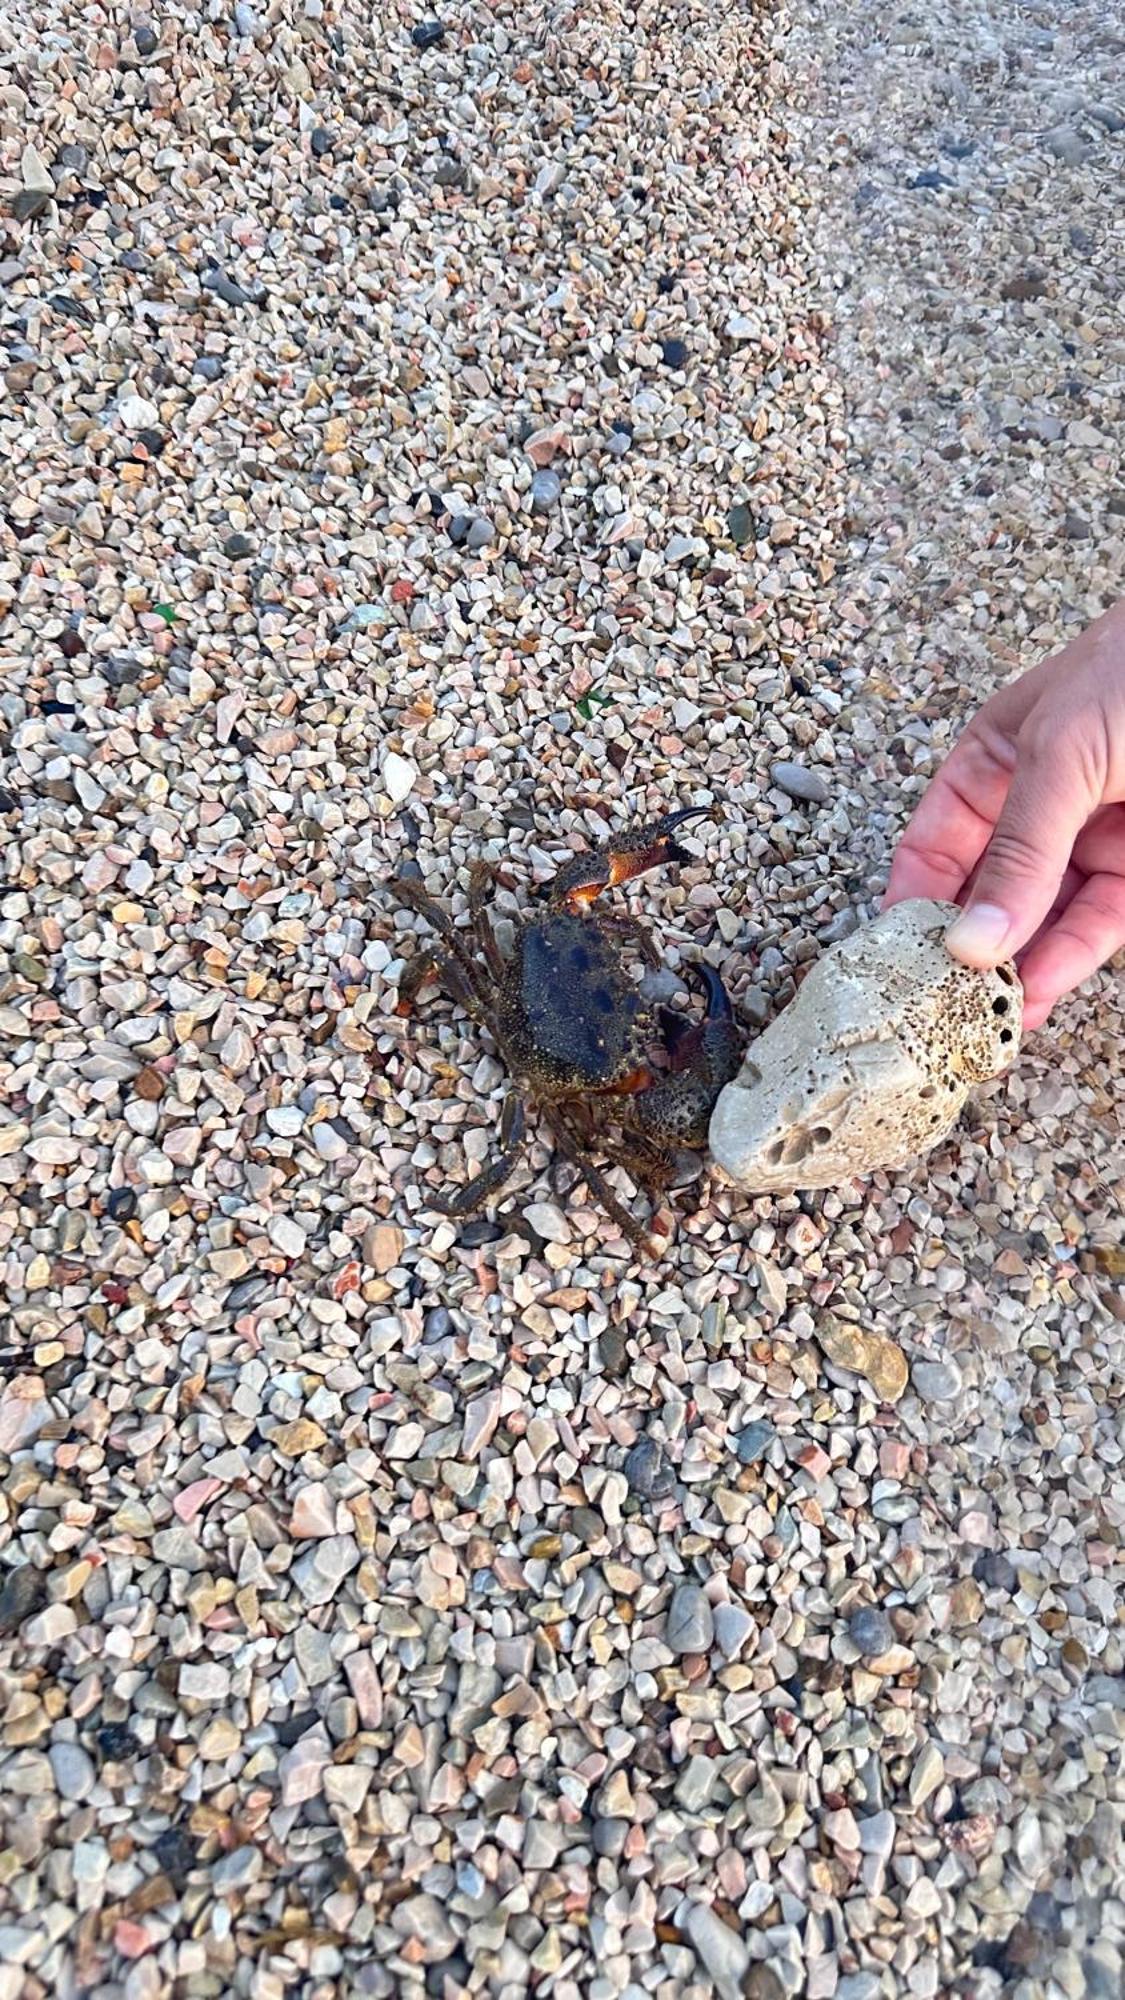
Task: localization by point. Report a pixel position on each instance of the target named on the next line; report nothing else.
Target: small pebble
(690, 1625)
(871, 1630)
(546, 490)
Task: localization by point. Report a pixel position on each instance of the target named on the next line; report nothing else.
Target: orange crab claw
(651, 845)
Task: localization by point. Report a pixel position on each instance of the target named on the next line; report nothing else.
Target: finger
(1100, 847)
(1048, 803)
(1072, 881)
(1084, 937)
(951, 827)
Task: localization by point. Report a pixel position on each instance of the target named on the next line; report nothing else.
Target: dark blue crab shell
(573, 1013)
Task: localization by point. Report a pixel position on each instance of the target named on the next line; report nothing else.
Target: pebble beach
(431, 438)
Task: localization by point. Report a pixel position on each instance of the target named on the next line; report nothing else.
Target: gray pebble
(690, 1625)
(21, 1595)
(75, 1775)
(481, 533)
(609, 1836)
(733, 1626)
(696, 1782)
(877, 1834)
(237, 546)
(860, 1986)
(611, 1344)
(236, 1870)
(753, 1441)
(936, 1381)
(146, 40)
(996, 1571)
(720, 1950)
(1067, 145)
(246, 21)
(648, 1471)
(587, 1525)
(799, 782)
(871, 1630)
(546, 490)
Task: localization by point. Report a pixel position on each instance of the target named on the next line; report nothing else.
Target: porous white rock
(870, 1065)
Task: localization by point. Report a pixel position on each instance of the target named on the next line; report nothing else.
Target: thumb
(1048, 804)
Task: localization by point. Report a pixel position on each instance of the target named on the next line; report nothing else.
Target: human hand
(1025, 823)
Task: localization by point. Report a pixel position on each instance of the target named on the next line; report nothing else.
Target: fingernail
(977, 936)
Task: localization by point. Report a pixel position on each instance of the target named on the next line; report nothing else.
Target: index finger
(954, 822)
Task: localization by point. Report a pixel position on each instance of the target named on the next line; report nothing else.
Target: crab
(574, 1029)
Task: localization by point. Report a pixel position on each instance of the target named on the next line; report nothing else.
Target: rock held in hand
(871, 1064)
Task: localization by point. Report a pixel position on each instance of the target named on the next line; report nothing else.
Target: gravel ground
(429, 442)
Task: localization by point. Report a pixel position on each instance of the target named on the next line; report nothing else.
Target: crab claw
(638, 848)
(703, 1056)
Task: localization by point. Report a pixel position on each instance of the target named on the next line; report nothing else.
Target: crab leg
(639, 934)
(651, 845)
(573, 1148)
(424, 964)
(481, 875)
(412, 896)
(497, 1170)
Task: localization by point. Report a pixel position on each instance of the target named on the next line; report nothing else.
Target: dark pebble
(740, 524)
(996, 1571)
(21, 1594)
(648, 1471)
(236, 546)
(871, 1630)
(450, 174)
(1076, 529)
(121, 1204)
(321, 142)
(587, 1524)
(30, 202)
(609, 1836)
(1029, 285)
(71, 643)
(428, 34)
(478, 1232)
(75, 159)
(146, 40)
(117, 1741)
(455, 1969)
(754, 1441)
(438, 1323)
(177, 1851)
(232, 293)
(930, 177)
(674, 353)
(1116, 502)
(612, 1348)
(546, 489)
(295, 1726)
(153, 442)
(134, 260)
(119, 672)
(459, 529)
(667, 282)
(1081, 238)
(209, 366)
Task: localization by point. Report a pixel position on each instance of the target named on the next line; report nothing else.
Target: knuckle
(1014, 852)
